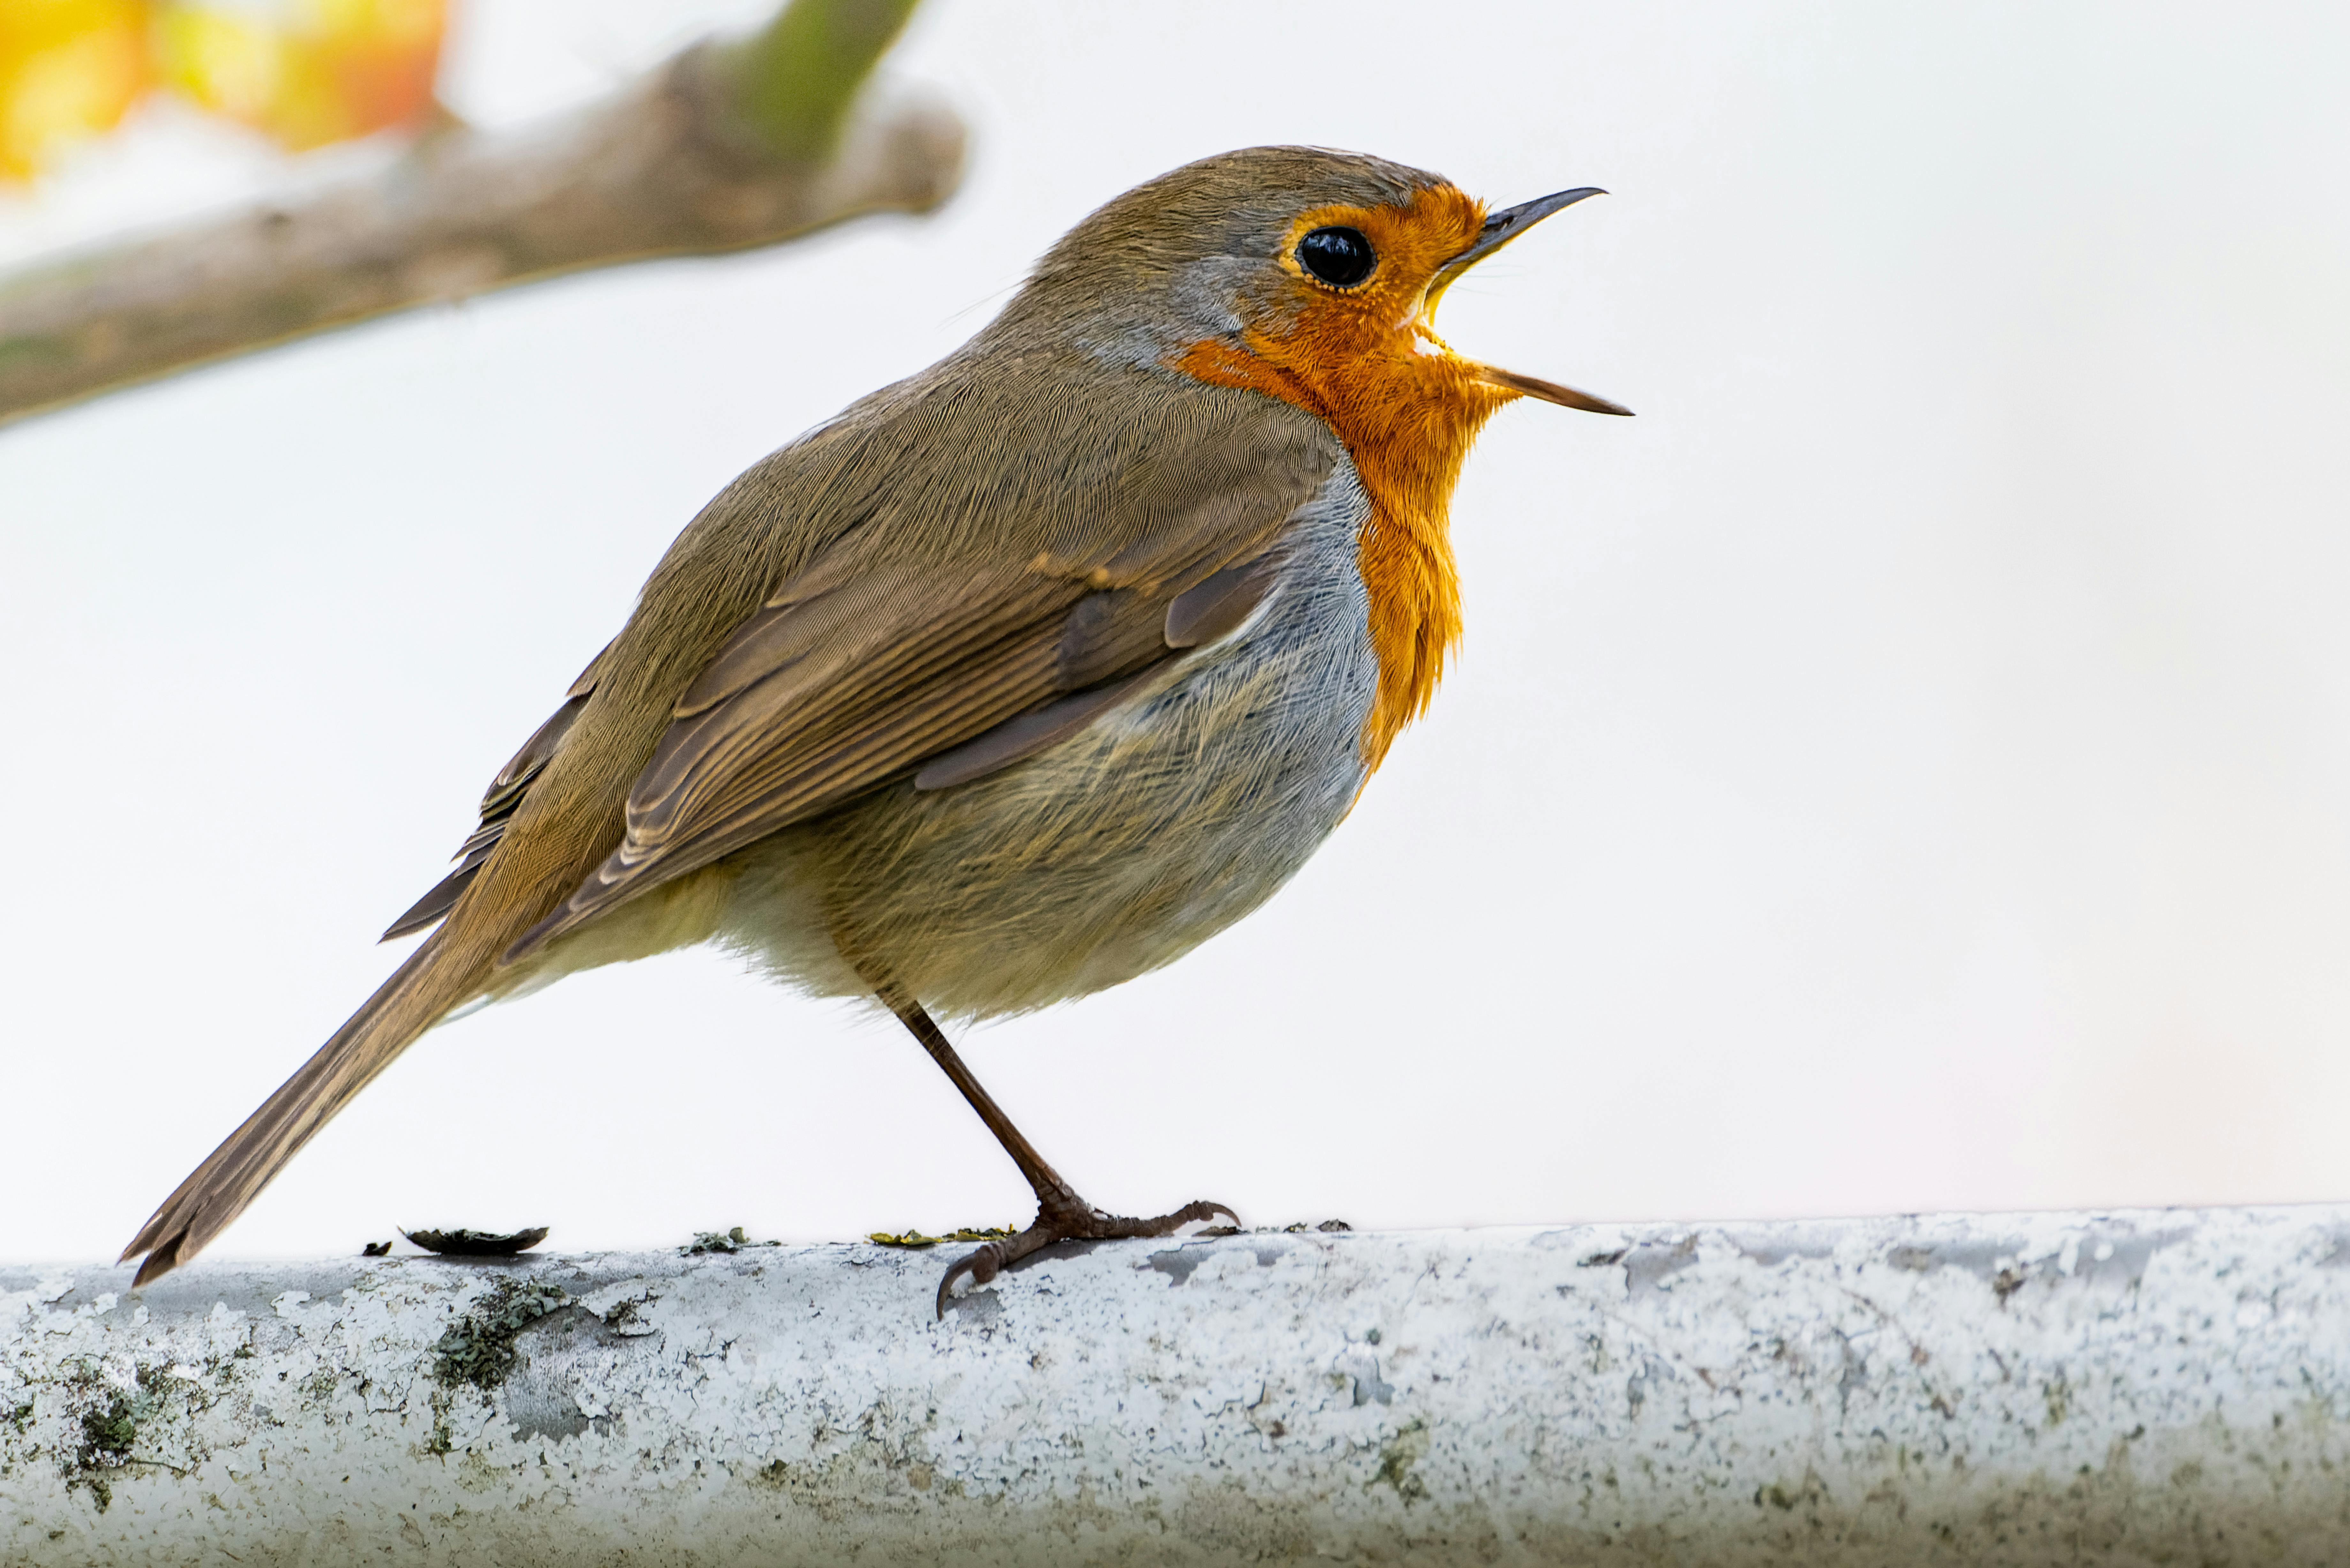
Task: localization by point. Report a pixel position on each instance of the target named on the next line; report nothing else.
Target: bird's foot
(1070, 1220)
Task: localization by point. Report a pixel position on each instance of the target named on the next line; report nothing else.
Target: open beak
(1500, 229)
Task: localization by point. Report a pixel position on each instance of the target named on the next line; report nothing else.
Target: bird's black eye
(1340, 257)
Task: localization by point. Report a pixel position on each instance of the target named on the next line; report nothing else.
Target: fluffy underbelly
(1115, 852)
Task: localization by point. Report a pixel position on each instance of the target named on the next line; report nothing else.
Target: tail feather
(416, 997)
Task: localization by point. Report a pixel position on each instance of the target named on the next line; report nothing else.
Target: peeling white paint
(2122, 1388)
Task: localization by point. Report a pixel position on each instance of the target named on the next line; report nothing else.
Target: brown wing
(499, 803)
(858, 672)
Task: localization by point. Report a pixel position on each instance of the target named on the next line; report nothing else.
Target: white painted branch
(2123, 1389)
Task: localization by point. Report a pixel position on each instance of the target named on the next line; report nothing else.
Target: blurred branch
(728, 145)
(797, 75)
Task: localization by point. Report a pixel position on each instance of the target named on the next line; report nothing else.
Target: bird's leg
(1061, 1214)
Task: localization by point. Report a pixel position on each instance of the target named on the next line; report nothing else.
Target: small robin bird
(1014, 680)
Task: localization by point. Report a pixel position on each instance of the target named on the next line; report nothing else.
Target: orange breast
(1407, 409)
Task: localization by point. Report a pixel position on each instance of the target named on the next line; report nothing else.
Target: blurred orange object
(302, 72)
(68, 70)
(310, 71)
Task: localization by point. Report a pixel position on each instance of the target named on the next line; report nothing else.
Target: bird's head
(1308, 274)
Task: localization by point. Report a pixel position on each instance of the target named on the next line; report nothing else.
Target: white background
(1907, 766)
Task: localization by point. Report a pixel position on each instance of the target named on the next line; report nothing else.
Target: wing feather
(499, 803)
(866, 666)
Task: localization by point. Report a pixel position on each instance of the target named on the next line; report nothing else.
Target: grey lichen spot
(1854, 1378)
(1651, 1373)
(1176, 1262)
(2121, 1259)
(2058, 1393)
(730, 1240)
(557, 1356)
(1771, 1248)
(626, 1316)
(1981, 1258)
(107, 1426)
(1652, 1264)
(1646, 1265)
(477, 1351)
(1361, 1368)
(479, 1347)
(982, 1309)
(1807, 1493)
(1397, 1458)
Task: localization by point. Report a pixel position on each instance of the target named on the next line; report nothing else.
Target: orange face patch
(1366, 361)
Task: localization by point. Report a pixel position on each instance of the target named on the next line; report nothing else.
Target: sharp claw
(982, 1265)
(1081, 1224)
(946, 1286)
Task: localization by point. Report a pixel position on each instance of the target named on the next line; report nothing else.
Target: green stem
(796, 77)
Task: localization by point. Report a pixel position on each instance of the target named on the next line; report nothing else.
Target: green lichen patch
(477, 1351)
(1807, 1494)
(108, 1430)
(876, 1460)
(733, 1241)
(1397, 1458)
(444, 1436)
(320, 1386)
(626, 1316)
(916, 1238)
(108, 1424)
(478, 1348)
(2057, 1392)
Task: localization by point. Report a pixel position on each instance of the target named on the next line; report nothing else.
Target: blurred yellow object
(302, 72)
(316, 71)
(230, 63)
(68, 70)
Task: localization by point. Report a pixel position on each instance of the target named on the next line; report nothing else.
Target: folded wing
(870, 663)
(499, 803)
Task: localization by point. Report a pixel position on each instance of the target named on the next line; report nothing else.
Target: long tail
(415, 998)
